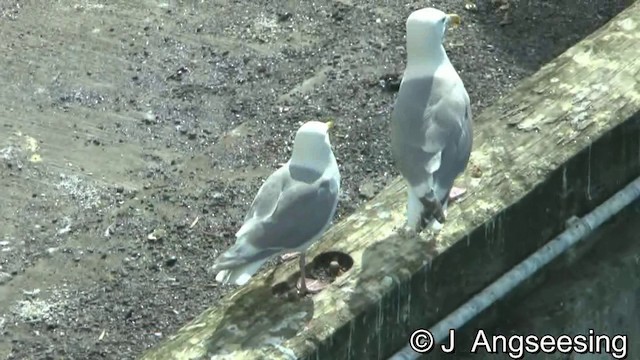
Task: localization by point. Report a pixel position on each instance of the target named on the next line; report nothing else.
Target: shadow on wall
(605, 284)
(549, 26)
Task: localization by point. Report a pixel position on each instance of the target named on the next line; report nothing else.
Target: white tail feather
(240, 275)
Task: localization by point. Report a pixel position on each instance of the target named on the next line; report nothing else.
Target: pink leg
(456, 193)
(312, 286)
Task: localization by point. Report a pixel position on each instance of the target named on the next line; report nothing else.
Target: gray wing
(429, 128)
(456, 151)
(267, 197)
(288, 213)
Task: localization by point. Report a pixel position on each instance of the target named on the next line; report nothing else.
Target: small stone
(51, 250)
(33, 292)
(157, 234)
(217, 195)
(284, 16)
(334, 268)
(171, 261)
(476, 171)
(4, 277)
(367, 190)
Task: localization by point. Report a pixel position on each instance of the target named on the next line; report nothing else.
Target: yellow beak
(329, 124)
(454, 19)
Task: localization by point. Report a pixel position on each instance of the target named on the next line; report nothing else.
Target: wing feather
(287, 214)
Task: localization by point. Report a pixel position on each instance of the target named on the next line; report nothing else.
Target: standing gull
(292, 209)
(431, 130)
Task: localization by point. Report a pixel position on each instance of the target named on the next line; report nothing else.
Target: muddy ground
(122, 119)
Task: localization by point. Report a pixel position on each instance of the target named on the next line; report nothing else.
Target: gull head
(311, 145)
(426, 29)
(430, 25)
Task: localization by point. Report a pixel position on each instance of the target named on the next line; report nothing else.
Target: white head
(426, 29)
(311, 146)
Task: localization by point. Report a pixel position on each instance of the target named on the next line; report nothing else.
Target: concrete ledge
(566, 139)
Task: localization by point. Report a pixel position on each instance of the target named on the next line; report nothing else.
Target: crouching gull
(431, 128)
(292, 209)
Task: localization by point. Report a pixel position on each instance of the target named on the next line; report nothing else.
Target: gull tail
(239, 275)
(233, 265)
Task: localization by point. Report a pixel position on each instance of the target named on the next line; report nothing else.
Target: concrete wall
(599, 291)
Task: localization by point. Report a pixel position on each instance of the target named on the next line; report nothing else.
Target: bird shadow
(385, 279)
(254, 317)
(266, 312)
(408, 282)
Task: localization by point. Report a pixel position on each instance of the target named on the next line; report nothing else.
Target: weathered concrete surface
(565, 140)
